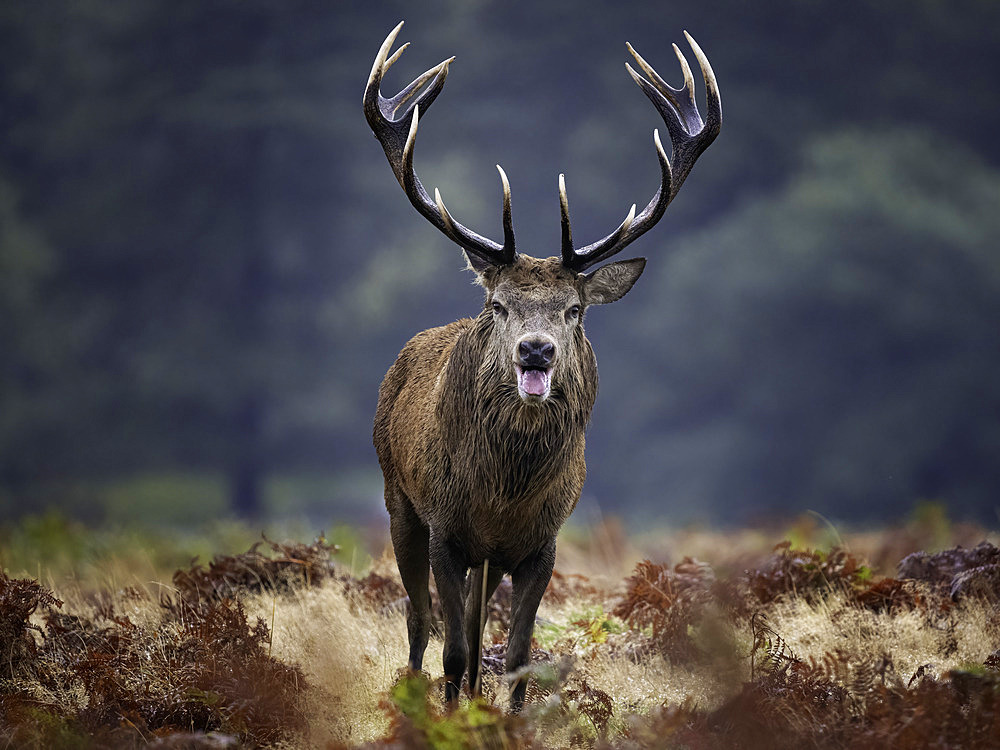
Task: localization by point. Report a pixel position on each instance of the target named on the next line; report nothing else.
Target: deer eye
(499, 309)
(573, 313)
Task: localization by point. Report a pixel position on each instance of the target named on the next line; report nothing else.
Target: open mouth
(533, 382)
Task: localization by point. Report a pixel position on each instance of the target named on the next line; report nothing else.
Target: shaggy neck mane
(520, 447)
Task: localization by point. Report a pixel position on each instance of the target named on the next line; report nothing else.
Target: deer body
(480, 425)
(450, 424)
(495, 495)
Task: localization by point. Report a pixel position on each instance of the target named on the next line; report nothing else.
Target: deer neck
(518, 447)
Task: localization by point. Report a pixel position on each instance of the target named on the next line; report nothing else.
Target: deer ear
(476, 263)
(611, 282)
(486, 272)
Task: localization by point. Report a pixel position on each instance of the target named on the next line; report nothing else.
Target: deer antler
(689, 137)
(397, 131)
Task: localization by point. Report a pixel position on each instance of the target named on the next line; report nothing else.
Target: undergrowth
(283, 646)
(127, 670)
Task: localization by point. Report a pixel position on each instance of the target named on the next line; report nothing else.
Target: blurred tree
(213, 267)
(28, 352)
(829, 345)
(184, 160)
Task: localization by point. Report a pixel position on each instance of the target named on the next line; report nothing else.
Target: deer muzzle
(533, 364)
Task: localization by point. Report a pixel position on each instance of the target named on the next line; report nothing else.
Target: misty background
(206, 265)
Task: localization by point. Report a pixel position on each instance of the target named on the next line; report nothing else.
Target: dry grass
(628, 654)
(350, 652)
(351, 671)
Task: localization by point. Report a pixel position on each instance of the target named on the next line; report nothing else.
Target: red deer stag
(480, 423)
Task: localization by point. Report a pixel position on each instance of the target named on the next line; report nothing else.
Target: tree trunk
(247, 474)
(245, 491)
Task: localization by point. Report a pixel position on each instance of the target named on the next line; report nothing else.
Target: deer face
(537, 308)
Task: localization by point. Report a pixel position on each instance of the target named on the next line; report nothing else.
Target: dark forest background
(206, 265)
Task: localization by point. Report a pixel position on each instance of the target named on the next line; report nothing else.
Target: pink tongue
(534, 382)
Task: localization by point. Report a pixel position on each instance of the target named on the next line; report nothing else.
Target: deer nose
(536, 353)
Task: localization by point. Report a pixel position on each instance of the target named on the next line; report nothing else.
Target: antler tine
(397, 132)
(439, 72)
(395, 56)
(508, 223)
(713, 102)
(568, 253)
(567, 231)
(689, 137)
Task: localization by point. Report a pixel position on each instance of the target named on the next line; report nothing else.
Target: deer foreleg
(449, 568)
(529, 580)
(409, 542)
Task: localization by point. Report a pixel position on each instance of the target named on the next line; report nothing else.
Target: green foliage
(420, 721)
(596, 625)
(166, 499)
(319, 496)
(578, 630)
(53, 546)
(548, 633)
(52, 538)
(30, 726)
(809, 574)
(929, 521)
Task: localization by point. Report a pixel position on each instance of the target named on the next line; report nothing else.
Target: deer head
(537, 305)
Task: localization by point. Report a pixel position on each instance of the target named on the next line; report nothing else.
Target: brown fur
(475, 473)
(450, 424)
